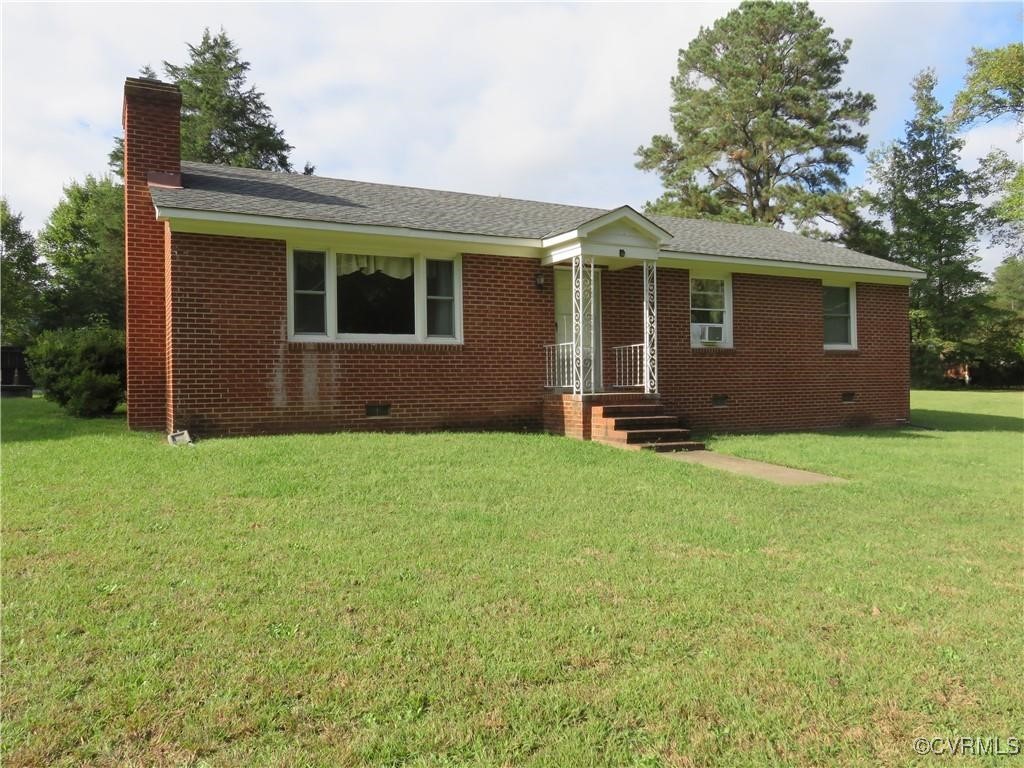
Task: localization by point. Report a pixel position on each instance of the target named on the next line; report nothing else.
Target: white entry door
(563, 317)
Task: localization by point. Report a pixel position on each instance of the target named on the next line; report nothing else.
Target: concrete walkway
(762, 470)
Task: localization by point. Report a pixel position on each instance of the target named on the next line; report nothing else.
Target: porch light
(538, 279)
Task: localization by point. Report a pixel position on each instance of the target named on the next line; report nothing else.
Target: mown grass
(499, 599)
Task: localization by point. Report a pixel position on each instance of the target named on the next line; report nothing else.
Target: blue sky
(540, 101)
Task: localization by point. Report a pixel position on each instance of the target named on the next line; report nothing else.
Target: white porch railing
(571, 365)
(558, 365)
(629, 365)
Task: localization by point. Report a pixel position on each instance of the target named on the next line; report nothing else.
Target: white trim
(563, 255)
(736, 262)
(727, 337)
(852, 346)
(291, 296)
(212, 222)
(630, 214)
(626, 213)
(170, 214)
(331, 298)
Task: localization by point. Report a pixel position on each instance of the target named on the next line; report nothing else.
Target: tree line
(764, 133)
(72, 274)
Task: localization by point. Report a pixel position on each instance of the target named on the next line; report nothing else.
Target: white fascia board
(605, 254)
(656, 233)
(565, 237)
(563, 254)
(185, 220)
(767, 266)
(648, 227)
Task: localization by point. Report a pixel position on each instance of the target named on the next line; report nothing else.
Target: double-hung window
(365, 298)
(309, 292)
(840, 316)
(440, 298)
(710, 312)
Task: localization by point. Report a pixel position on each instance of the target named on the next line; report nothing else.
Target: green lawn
(500, 599)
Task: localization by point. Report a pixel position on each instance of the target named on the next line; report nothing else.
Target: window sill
(390, 341)
(399, 347)
(712, 348)
(840, 348)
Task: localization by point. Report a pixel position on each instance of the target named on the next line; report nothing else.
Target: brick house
(262, 302)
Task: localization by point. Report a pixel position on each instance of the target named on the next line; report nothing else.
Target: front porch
(579, 361)
(608, 393)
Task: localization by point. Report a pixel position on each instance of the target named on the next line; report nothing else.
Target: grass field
(499, 599)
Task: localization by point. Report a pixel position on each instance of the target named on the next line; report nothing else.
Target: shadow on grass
(34, 420)
(953, 421)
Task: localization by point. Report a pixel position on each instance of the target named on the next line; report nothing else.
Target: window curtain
(393, 266)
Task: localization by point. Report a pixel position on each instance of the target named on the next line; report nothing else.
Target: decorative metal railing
(558, 365)
(629, 365)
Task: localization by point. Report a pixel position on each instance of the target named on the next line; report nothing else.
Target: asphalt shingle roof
(223, 189)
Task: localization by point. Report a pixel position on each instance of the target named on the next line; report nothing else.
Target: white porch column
(650, 327)
(583, 326)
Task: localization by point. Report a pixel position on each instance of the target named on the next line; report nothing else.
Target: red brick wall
(566, 415)
(151, 143)
(777, 375)
(235, 372)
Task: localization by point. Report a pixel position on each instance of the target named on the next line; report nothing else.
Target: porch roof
(215, 189)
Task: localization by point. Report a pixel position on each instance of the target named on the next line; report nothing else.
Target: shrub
(80, 369)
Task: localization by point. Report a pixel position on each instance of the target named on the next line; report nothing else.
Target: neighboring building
(265, 302)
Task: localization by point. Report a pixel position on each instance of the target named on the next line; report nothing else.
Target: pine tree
(223, 119)
(933, 211)
(763, 130)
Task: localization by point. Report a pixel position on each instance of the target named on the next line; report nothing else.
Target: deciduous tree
(83, 240)
(22, 279)
(994, 86)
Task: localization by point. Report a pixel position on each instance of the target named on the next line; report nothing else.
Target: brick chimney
(152, 150)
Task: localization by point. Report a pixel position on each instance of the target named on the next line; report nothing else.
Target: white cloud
(978, 142)
(982, 139)
(539, 101)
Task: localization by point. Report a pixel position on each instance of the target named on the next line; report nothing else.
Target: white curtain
(392, 266)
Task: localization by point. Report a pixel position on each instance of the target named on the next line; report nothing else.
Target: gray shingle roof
(222, 189)
(745, 241)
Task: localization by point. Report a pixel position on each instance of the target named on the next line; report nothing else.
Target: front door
(563, 317)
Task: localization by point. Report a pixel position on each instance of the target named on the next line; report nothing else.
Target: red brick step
(630, 409)
(656, 435)
(641, 424)
(645, 422)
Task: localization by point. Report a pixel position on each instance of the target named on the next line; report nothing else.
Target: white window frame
(726, 342)
(331, 297)
(852, 287)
